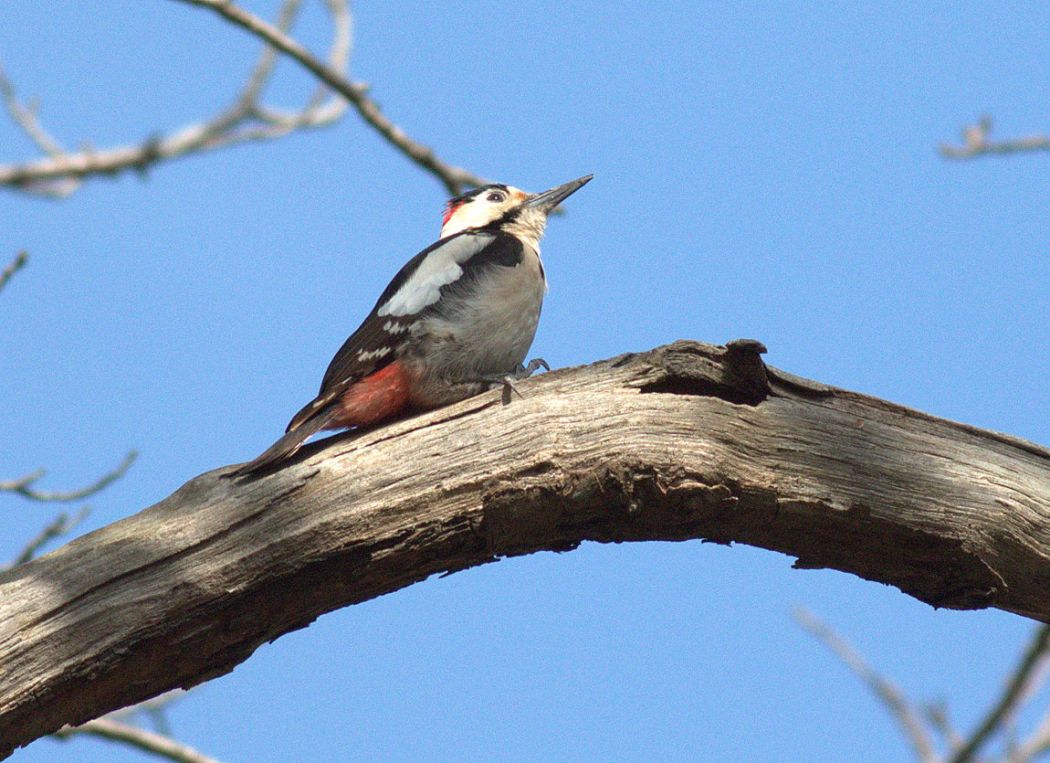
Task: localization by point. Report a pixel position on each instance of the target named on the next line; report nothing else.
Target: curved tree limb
(686, 441)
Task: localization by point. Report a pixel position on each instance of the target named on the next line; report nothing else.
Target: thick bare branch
(247, 120)
(152, 742)
(976, 143)
(898, 706)
(23, 486)
(453, 178)
(686, 441)
(15, 265)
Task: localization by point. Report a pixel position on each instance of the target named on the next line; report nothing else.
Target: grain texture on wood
(686, 441)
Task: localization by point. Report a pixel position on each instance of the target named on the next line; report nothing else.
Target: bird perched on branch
(457, 319)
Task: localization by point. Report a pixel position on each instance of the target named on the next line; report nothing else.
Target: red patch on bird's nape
(450, 209)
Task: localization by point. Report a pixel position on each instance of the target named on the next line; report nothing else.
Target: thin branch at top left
(455, 179)
(61, 172)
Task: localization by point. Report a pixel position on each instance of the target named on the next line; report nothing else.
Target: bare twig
(26, 118)
(1022, 683)
(453, 178)
(976, 143)
(1036, 745)
(16, 264)
(23, 486)
(894, 700)
(148, 741)
(61, 525)
(937, 715)
(1016, 689)
(116, 727)
(156, 704)
(154, 709)
(247, 120)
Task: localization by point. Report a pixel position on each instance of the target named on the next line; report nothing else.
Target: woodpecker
(456, 320)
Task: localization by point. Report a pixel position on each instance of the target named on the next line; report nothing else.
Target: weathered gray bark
(686, 441)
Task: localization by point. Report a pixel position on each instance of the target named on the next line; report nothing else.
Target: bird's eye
(496, 197)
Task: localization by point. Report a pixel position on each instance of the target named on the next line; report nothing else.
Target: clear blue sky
(761, 170)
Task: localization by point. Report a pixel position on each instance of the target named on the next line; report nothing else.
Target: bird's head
(507, 208)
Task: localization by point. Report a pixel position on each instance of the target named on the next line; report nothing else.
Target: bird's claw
(519, 373)
(524, 372)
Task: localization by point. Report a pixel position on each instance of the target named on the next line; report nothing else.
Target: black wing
(447, 264)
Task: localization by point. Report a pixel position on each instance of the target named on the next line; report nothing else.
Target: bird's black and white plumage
(457, 316)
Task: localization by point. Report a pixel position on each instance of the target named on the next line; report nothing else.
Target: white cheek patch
(478, 213)
(440, 268)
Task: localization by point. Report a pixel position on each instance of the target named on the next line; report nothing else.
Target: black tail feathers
(283, 448)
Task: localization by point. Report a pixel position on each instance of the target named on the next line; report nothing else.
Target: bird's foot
(524, 372)
(507, 381)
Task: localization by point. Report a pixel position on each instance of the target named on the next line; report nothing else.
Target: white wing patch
(439, 268)
(366, 355)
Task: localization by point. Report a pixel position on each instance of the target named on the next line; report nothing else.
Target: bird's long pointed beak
(548, 200)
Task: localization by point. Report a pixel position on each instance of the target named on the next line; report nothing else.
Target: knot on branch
(735, 373)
